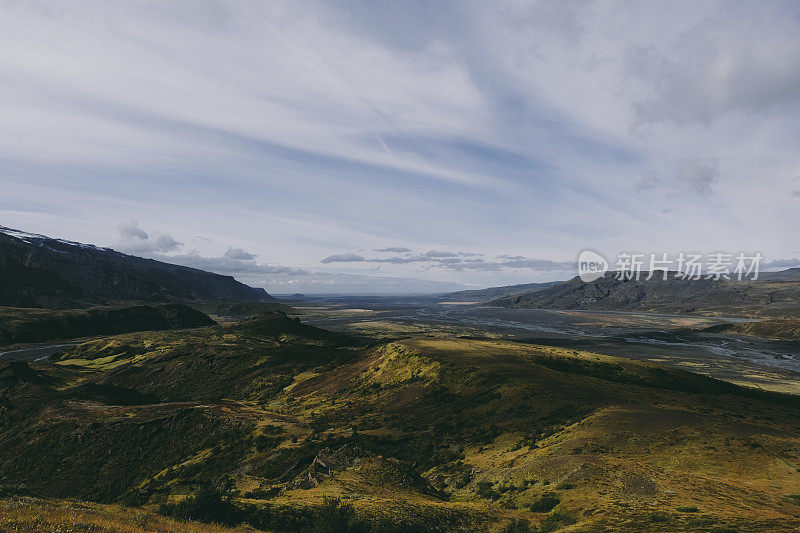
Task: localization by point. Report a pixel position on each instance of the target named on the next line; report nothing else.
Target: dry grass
(66, 516)
(779, 329)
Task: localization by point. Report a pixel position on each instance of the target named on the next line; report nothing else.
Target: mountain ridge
(774, 294)
(39, 271)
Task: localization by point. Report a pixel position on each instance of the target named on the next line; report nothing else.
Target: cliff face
(37, 271)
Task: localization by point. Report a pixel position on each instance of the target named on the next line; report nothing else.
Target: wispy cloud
(459, 261)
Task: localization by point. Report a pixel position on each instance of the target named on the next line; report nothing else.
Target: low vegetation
(776, 328)
(19, 325)
(280, 426)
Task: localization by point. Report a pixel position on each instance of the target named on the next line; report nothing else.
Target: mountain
(481, 295)
(38, 271)
(773, 295)
(280, 426)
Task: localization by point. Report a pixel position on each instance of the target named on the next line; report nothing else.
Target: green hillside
(284, 426)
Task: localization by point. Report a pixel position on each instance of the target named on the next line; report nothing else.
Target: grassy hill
(774, 295)
(287, 427)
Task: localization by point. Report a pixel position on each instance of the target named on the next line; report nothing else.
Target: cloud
(716, 67)
(135, 240)
(688, 178)
(131, 230)
(343, 258)
(795, 193)
(234, 262)
(229, 266)
(539, 264)
(395, 249)
(476, 265)
(456, 261)
(162, 242)
(337, 283)
(239, 255)
(439, 253)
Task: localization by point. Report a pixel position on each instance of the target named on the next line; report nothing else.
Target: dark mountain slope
(775, 294)
(37, 271)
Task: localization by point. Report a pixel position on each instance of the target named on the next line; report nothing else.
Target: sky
(401, 147)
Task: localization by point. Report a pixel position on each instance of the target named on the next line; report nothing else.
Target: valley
(435, 413)
(519, 266)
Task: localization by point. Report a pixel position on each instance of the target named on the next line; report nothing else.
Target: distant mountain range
(775, 294)
(38, 271)
(480, 295)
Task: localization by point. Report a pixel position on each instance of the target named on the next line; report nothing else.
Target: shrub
(518, 526)
(556, 520)
(265, 443)
(334, 516)
(545, 503)
(206, 505)
(485, 490)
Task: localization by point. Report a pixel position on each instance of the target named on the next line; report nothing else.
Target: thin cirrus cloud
(292, 131)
